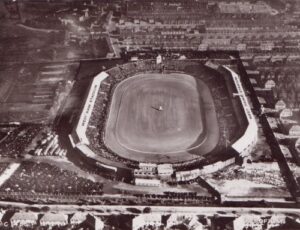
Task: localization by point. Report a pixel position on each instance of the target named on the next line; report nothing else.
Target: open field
(136, 128)
(34, 93)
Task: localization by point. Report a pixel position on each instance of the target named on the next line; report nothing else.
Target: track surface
(137, 130)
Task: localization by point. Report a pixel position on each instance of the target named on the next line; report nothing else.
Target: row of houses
(190, 221)
(147, 24)
(55, 219)
(194, 222)
(282, 112)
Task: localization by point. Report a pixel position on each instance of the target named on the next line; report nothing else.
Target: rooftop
(54, 217)
(24, 216)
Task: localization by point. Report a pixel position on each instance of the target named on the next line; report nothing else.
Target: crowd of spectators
(16, 141)
(37, 178)
(172, 56)
(225, 113)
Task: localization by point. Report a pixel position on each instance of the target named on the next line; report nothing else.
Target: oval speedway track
(188, 122)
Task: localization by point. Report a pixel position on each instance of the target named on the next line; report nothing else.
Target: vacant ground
(138, 130)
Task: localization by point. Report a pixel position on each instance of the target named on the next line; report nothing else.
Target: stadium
(190, 115)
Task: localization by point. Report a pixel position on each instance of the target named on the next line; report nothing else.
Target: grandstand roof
(162, 167)
(147, 165)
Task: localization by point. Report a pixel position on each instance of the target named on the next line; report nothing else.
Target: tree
(45, 209)
(147, 210)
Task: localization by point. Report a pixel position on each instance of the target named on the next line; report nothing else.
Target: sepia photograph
(150, 114)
